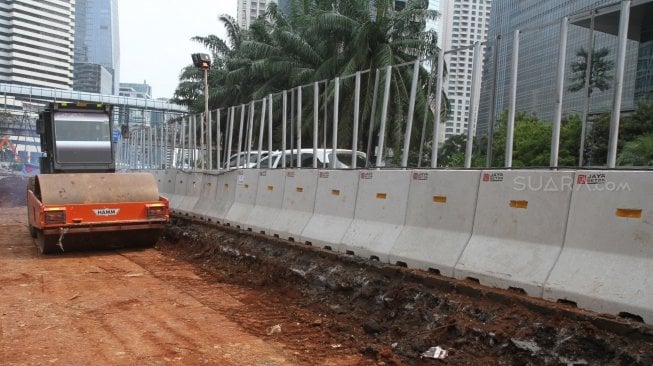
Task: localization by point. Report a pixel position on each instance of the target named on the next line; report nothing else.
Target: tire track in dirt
(102, 308)
(277, 318)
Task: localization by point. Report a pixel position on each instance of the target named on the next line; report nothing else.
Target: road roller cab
(79, 201)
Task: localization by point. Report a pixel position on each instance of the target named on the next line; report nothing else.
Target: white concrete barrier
(167, 181)
(439, 219)
(380, 213)
(519, 227)
(158, 177)
(225, 194)
(207, 197)
(298, 203)
(335, 203)
(193, 189)
(244, 198)
(269, 199)
(606, 264)
(176, 198)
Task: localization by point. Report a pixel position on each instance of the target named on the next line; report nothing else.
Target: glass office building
(97, 41)
(539, 22)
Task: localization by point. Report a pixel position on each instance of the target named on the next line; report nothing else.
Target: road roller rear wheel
(32, 231)
(47, 244)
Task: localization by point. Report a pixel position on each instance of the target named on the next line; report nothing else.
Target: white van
(324, 158)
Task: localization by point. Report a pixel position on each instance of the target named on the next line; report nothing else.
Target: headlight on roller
(55, 216)
(156, 212)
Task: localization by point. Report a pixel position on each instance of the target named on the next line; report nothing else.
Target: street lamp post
(203, 61)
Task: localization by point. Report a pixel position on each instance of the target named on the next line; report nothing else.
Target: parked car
(253, 158)
(324, 159)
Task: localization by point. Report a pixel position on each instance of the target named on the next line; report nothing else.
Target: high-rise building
(464, 22)
(92, 78)
(36, 42)
(539, 21)
(97, 41)
(249, 10)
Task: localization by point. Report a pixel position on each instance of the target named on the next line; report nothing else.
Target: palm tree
(224, 55)
(362, 37)
(317, 41)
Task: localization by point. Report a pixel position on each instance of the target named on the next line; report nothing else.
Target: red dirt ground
(216, 296)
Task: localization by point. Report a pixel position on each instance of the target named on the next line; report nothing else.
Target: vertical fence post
(438, 110)
(193, 134)
(261, 131)
(240, 134)
(411, 113)
(189, 140)
(334, 133)
(316, 112)
(128, 150)
(284, 121)
(292, 125)
(142, 146)
(373, 115)
(354, 134)
(299, 127)
(250, 133)
(209, 133)
(493, 102)
(151, 146)
(425, 116)
(560, 84)
(618, 83)
(230, 137)
(162, 147)
(218, 139)
(270, 127)
(155, 154)
(512, 99)
(182, 136)
(384, 115)
(473, 110)
(586, 90)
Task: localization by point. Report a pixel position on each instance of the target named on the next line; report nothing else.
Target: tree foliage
(316, 42)
(631, 128)
(531, 144)
(599, 72)
(638, 152)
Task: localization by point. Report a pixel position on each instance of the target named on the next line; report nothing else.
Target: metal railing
(400, 114)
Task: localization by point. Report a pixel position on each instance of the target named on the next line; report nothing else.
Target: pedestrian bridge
(32, 93)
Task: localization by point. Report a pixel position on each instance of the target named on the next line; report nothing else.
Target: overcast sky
(155, 37)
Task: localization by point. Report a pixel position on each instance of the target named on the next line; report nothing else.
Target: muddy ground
(394, 314)
(320, 307)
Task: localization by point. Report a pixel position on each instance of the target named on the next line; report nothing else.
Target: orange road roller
(79, 201)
